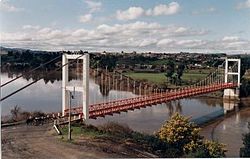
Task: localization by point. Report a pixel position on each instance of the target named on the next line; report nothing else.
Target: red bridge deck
(109, 108)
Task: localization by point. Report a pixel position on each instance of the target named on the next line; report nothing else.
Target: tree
(108, 61)
(15, 112)
(170, 70)
(180, 70)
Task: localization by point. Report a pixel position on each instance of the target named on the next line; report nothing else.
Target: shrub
(116, 129)
(201, 152)
(215, 149)
(184, 136)
(245, 150)
(181, 133)
(155, 145)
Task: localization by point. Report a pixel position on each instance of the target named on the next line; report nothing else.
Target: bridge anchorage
(225, 78)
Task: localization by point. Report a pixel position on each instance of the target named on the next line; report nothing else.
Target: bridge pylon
(83, 88)
(230, 73)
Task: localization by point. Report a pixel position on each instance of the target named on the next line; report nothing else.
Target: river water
(46, 96)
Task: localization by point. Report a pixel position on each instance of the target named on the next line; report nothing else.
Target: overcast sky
(127, 25)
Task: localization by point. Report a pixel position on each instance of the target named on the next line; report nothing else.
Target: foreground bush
(245, 150)
(215, 149)
(183, 135)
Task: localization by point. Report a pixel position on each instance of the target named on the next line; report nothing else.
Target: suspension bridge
(220, 79)
(226, 77)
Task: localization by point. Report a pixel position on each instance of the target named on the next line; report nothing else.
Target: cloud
(230, 38)
(243, 5)
(164, 9)
(6, 7)
(130, 14)
(93, 5)
(139, 36)
(211, 9)
(204, 11)
(136, 12)
(164, 42)
(85, 18)
(31, 27)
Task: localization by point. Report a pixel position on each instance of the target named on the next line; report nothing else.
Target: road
(21, 142)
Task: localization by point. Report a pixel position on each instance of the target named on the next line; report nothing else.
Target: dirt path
(36, 142)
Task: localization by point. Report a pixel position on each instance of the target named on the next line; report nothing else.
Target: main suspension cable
(12, 80)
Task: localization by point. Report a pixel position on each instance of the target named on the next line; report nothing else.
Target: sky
(208, 26)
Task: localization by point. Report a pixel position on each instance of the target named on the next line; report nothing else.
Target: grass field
(189, 76)
(157, 78)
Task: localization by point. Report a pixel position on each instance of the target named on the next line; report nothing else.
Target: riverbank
(42, 142)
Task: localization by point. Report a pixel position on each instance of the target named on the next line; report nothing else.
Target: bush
(116, 129)
(245, 150)
(155, 145)
(181, 133)
(184, 136)
(215, 149)
(201, 152)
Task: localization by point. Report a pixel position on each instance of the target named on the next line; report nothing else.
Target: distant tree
(108, 61)
(180, 70)
(170, 70)
(174, 79)
(15, 112)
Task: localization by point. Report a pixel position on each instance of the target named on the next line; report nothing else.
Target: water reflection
(229, 131)
(150, 119)
(229, 106)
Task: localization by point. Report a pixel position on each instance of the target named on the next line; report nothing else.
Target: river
(46, 96)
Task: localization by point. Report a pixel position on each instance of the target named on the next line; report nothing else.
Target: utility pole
(69, 126)
(0, 111)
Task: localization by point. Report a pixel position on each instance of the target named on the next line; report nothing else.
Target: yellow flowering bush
(181, 133)
(184, 135)
(215, 149)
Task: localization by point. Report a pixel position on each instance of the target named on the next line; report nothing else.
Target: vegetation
(184, 136)
(17, 114)
(27, 59)
(245, 150)
(180, 133)
(174, 73)
(245, 87)
(104, 62)
(177, 138)
(189, 76)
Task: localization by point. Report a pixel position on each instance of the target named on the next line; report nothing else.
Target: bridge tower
(230, 72)
(83, 88)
